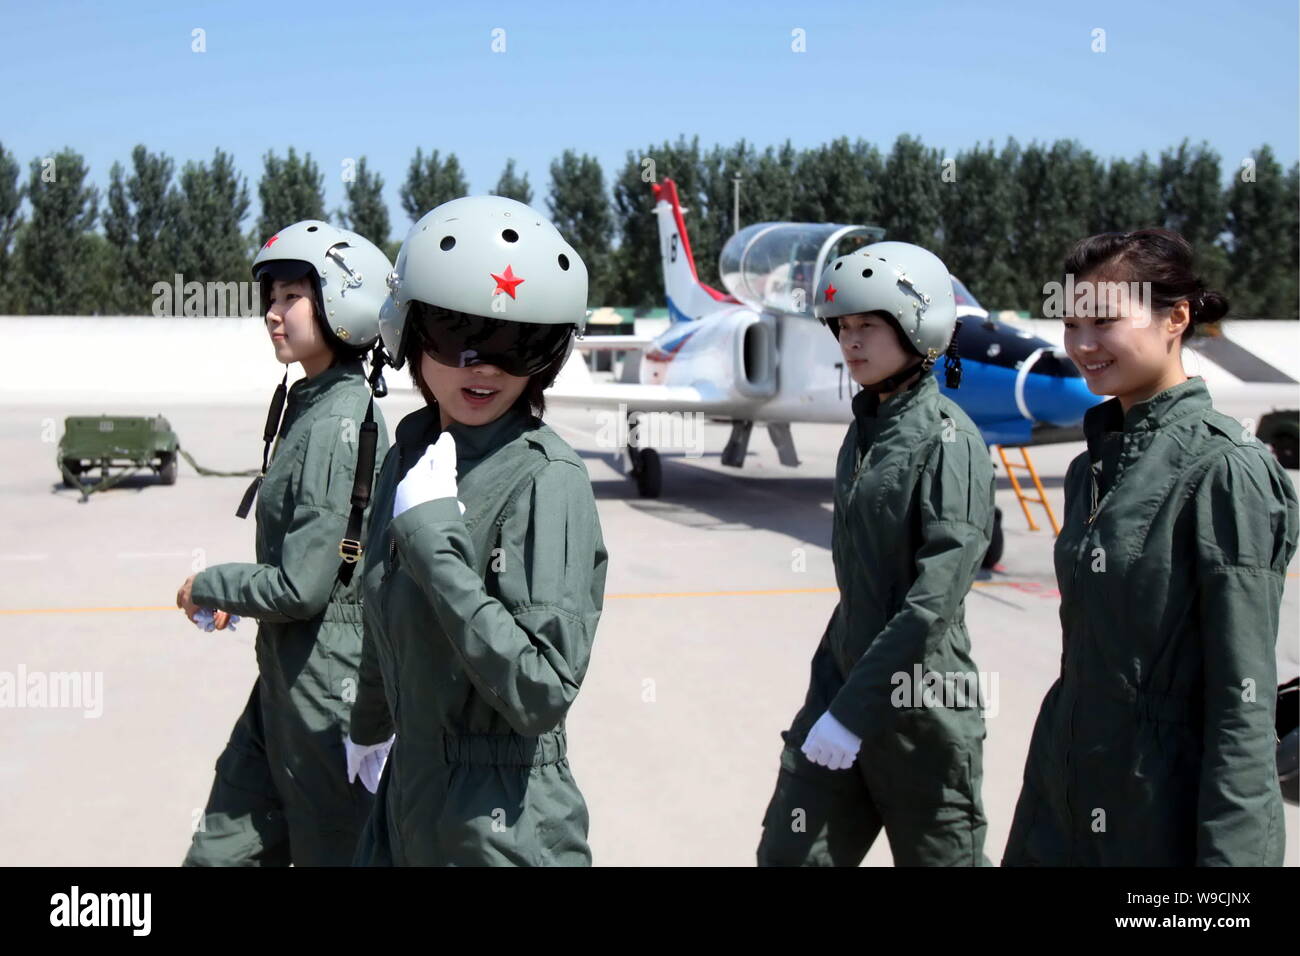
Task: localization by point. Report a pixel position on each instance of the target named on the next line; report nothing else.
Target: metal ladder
(1024, 499)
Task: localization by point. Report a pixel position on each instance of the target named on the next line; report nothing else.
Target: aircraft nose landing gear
(646, 469)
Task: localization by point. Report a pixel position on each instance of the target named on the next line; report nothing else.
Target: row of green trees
(1001, 217)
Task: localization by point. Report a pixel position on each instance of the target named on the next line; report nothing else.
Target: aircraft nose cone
(1058, 401)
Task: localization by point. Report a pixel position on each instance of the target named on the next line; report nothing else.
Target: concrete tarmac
(717, 594)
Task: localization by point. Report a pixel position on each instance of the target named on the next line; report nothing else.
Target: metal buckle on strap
(350, 550)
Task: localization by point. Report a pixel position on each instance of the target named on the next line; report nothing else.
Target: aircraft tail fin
(688, 298)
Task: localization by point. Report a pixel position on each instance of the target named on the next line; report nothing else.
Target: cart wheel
(73, 465)
(167, 473)
(994, 554)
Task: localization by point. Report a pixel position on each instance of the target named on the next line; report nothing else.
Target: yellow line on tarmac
(760, 592)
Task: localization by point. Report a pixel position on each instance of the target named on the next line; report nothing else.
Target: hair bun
(1208, 306)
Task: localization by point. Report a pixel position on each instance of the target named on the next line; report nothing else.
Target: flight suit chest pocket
(1115, 552)
(876, 487)
(275, 497)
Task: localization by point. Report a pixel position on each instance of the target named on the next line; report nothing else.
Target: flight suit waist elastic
(504, 750)
(346, 613)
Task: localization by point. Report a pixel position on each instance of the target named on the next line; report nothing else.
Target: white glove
(831, 744)
(205, 620)
(367, 761)
(430, 478)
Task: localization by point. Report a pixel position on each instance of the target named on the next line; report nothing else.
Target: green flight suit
(913, 518)
(478, 633)
(281, 793)
(1155, 746)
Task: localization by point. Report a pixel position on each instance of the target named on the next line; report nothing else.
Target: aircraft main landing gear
(994, 554)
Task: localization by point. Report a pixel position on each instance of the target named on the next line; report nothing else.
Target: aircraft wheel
(994, 553)
(648, 473)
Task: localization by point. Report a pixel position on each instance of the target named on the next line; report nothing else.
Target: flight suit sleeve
(955, 497)
(372, 719)
(299, 586)
(527, 652)
(1245, 536)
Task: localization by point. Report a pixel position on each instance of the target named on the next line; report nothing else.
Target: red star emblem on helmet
(829, 294)
(271, 240)
(506, 283)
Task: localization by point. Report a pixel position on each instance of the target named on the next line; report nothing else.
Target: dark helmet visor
(460, 340)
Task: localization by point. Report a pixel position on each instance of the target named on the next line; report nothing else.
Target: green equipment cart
(119, 446)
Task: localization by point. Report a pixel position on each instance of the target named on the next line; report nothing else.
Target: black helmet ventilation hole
(564, 261)
(838, 264)
(509, 235)
(866, 273)
(447, 243)
(312, 228)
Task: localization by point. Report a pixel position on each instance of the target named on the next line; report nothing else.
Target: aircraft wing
(647, 398)
(613, 343)
(575, 388)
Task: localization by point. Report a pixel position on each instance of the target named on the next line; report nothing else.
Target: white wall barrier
(123, 358)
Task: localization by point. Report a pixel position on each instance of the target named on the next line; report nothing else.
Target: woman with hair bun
(1155, 746)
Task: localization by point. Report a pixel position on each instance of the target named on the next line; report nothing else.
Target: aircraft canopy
(775, 265)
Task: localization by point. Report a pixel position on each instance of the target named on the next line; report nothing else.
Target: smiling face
(871, 348)
(475, 395)
(1131, 352)
(291, 322)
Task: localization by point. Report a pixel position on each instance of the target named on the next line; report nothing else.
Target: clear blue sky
(343, 80)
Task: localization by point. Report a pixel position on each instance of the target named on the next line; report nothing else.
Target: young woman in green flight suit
(282, 792)
(485, 568)
(871, 749)
(1155, 746)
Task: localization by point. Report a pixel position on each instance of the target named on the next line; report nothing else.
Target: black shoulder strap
(350, 548)
(272, 428)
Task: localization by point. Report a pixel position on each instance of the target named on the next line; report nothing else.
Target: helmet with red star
(348, 273)
(908, 284)
(485, 280)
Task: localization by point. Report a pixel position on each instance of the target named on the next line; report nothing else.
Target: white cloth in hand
(205, 620)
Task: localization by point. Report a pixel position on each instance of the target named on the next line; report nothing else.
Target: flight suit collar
(307, 390)
(1173, 403)
(423, 426)
(868, 405)
(872, 414)
(475, 441)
